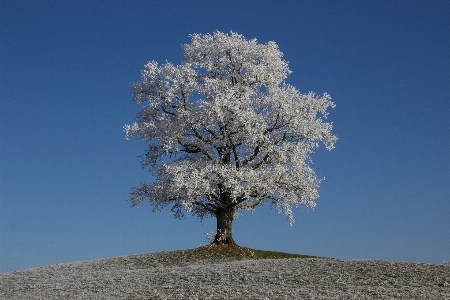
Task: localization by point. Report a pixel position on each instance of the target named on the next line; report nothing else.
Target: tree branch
(195, 149)
(209, 208)
(261, 162)
(256, 152)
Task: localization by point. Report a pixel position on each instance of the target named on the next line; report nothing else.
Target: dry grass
(208, 254)
(240, 253)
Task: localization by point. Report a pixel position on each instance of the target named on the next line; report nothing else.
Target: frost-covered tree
(225, 133)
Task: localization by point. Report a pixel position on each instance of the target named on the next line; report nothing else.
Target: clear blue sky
(66, 169)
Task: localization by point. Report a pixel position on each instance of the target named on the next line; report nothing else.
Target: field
(213, 272)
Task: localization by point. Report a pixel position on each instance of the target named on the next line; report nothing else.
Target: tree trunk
(224, 232)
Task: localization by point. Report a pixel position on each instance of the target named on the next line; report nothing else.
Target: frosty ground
(191, 274)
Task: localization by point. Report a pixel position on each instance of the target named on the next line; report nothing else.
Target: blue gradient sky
(66, 169)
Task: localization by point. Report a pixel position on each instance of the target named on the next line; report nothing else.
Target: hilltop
(212, 272)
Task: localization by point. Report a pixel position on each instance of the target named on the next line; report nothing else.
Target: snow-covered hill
(183, 275)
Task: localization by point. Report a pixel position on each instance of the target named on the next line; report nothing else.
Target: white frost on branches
(232, 126)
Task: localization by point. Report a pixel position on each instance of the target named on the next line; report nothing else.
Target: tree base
(224, 242)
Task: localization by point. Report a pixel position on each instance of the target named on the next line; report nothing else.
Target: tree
(225, 133)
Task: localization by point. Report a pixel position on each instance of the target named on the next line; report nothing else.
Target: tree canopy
(225, 133)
